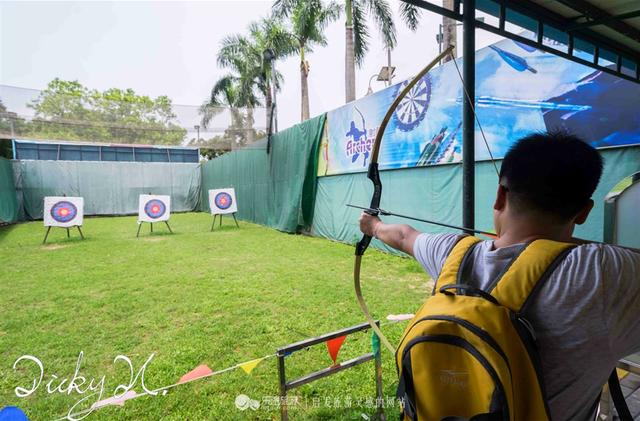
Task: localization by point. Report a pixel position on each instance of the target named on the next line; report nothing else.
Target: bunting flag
(399, 317)
(131, 394)
(250, 365)
(196, 373)
(334, 345)
(375, 343)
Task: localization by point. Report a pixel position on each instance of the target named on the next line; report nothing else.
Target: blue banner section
(519, 90)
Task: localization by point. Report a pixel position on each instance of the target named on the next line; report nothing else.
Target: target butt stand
(151, 227)
(213, 224)
(46, 235)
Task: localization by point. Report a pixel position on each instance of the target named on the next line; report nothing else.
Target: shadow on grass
(6, 229)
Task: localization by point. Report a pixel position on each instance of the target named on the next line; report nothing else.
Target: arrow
(379, 211)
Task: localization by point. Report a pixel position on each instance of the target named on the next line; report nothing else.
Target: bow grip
(374, 175)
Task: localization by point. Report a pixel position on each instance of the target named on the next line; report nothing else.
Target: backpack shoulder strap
(453, 262)
(532, 266)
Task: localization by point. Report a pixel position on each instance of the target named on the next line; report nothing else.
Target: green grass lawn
(195, 297)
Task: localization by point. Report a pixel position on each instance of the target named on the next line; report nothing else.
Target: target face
(413, 107)
(222, 201)
(155, 208)
(61, 211)
(64, 211)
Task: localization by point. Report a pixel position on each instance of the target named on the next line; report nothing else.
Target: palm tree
(309, 18)
(230, 93)
(357, 35)
(244, 56)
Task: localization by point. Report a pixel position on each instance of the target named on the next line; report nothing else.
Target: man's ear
(501, 198)
(584, 213)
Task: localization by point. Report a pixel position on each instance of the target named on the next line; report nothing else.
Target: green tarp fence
(275, 189)
(108, 188)
(9, 208)
(436, 193)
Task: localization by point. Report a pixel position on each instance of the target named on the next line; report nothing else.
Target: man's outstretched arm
(399, 236)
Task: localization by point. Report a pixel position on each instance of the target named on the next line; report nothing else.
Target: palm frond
(381, 13)
(360, 32)
(410, 14)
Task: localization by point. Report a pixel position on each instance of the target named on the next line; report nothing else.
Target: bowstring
(475, 115)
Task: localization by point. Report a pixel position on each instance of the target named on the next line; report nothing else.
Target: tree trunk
(449, 33)
(268, 100)
(304, 87)
(349, 57)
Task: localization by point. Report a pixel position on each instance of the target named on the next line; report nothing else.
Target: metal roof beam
(602, 21)
(590, 11)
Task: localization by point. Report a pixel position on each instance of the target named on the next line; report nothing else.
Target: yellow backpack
(468, 354)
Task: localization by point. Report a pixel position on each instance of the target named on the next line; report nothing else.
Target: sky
(169, 48)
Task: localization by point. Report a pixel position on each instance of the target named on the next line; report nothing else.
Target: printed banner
(153, 208)
(519, 90)
(222, 201)
(60, 211)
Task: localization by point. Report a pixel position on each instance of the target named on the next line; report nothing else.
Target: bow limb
(374, 175)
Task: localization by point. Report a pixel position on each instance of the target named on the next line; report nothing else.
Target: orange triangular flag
(334, 345)
(196, 373)
(250, 365)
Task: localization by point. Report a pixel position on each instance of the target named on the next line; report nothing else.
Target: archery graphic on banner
(154, 208)
(63, 212)
(518, 90)
(223, 202)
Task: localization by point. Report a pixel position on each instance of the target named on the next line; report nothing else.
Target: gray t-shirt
(586, 316)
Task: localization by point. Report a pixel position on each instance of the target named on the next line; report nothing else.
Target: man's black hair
(553, 173)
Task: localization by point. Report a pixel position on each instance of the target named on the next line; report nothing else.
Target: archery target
(63, 211)
(222, 201)
(154, 208)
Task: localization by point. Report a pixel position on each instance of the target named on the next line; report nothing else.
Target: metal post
(46, 235)
(213, 223)
(389, 77)
(139, 226)
(168, 226)
(284, 416)
(468, 121)
(234, 218)
(274, 108)
(80, 231)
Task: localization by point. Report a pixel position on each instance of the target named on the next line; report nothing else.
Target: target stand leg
(220, 220)
(46, 235)
(167, 222)
(80, 231)
(234, 218)
(68, 234)
(139, 226)
(151, 223)
(213, 224)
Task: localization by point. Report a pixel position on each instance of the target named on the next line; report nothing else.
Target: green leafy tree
(68, 110)
(309, 19)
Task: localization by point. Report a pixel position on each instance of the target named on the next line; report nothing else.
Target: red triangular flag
(199, 371)
(334, 345)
